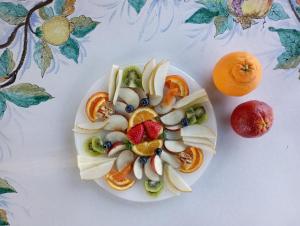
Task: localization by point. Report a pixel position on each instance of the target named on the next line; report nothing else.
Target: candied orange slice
(191, 159)
(176, 81)
(94, 103)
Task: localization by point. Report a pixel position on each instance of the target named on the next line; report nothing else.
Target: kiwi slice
(196, 114)
(199, 111)
(132, 77)
(202, 118)
(97, 145)
(192, 120)
(88, 147)
(153, 187)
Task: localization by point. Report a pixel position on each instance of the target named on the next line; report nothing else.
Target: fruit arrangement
(147, 126)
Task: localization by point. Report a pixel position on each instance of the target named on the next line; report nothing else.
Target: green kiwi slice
(153, 187)
(97, 145)
(196, 114)
(132, 77)
(88, 147)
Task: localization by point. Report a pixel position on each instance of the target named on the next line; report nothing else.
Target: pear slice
(112, 81)
(97, 171)
(88, 159)
(155, 100)
(161, 73)
(168, 184)
(200, 140)
(176, 180)
(149, 67)
(126, 157)
(203, 147)
(173, 118)
(87, 164)
(116, 136)
(170, 159)
(120, 108)
(96, 126)
(116, 122)
(175, 146)
(118, 86)
(197, 131)
(129, 97)
(198, 97)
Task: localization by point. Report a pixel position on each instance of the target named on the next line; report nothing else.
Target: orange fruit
(141, 115)
(94, 103)
(191, 159)
(237, 73)
(147, 148)
(177, 82)
(119, 179)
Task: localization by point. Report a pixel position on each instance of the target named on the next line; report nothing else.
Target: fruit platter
(145, 132)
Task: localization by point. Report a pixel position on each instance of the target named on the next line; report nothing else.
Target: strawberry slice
(136, 134)
(153, 129)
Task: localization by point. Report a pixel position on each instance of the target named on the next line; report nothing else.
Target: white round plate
(137, 192)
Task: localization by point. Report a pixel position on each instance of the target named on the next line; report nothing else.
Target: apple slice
(175, 146)
(164, 109)
(150, 174)
(97, 171)
(155, 100)
(173, 118)
(198, 97)
(112, 81)
(168, 184)
(170, 159)
(129, 97)
(197, 131)
(116, 149)
(156, 164)
(116, 122)
(172, 135)
(176, 180)
(200, 140)
(115, 136)
(120, 108)
(160, 77)
(138, 168)
(149, 67)
(118, 86)
(124, 159)
(174, 128)
(203, 147)
(141, 93)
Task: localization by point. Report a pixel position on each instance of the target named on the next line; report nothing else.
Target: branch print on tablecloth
(56, 30)
(290, 40)
(5, 188)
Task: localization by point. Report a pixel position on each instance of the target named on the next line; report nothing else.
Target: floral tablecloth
(44, 75)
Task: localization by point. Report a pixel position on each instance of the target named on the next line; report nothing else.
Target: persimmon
(237, 73)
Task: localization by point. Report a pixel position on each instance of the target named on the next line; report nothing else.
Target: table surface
(249, 181)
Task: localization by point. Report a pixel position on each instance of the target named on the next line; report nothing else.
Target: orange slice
(195, 156)
(119, 179)
(94, 102)
(176, 81)
(141, 115)
(147, 148)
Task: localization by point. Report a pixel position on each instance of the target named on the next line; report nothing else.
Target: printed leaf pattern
(202, 16)
(3, 218)
(64, 7)
(46, 13)
(5, 187)
(12, 13)
(137, 5)
(42, 56)
(221, 23)
(82, 25)
(290, 40)
(277, 12)
(70, 49)
(26, 94)
(2, 105)
(7, 63)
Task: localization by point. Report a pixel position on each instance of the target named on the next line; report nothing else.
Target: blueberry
(143, 160)
(185, 122)
(129, 108)
(144, 102)
(158, 151)
(107, 145)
